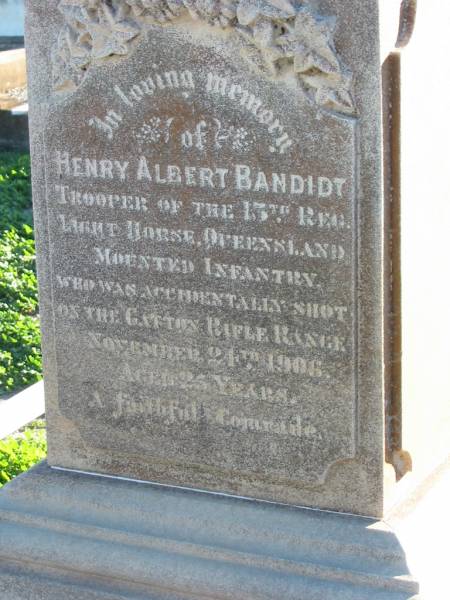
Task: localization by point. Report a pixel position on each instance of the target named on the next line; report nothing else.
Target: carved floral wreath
(279, 37)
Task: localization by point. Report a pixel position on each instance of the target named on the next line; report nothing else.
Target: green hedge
(21, 451)
(20, 354)
(15, 191)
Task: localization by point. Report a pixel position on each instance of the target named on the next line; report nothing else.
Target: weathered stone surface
(209, 217)
(89, 537)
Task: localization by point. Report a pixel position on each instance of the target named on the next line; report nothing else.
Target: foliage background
(21, 451)
(20, 353)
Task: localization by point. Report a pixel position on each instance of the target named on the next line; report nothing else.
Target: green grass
(21, 451)
(20, 354)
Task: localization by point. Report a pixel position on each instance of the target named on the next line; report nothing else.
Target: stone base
(66, 535)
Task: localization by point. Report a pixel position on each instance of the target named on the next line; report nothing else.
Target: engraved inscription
(204, 135)
(203, 272)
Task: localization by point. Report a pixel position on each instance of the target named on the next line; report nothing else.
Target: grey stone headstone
(234, 259)
(207, 183)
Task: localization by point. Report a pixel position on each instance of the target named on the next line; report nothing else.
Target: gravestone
(201, 180)
(216, 191)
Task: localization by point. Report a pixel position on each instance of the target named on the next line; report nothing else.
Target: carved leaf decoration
(110, 34)
(309, 41)
(329, 92)
(276, 34)
(67, 5)
(72, 59)
(78, 12)
(315, 34)
(249, 11)
(161, 11)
